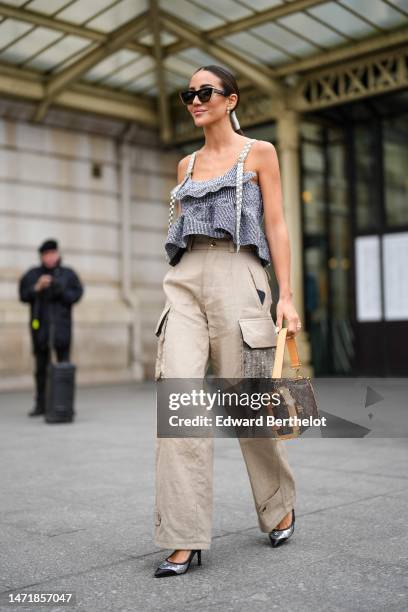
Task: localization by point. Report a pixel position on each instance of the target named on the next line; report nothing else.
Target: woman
(218, 308)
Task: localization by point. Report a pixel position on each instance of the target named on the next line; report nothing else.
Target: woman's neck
(220, 137)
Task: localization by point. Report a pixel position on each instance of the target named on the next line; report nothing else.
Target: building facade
(92, 128)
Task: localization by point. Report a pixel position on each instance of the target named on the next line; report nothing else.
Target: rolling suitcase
(60, 388)
(60, 396)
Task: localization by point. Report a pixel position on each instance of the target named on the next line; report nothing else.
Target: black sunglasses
(204, 94)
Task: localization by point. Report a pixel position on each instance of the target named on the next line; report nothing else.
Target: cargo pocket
(160, 331)
(258, 347)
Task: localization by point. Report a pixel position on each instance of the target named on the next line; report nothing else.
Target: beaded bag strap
(175, 190)
(239, 187)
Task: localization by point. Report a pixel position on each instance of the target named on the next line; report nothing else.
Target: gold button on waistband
(212, 243)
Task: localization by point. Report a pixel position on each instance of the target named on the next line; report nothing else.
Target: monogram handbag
(297, 398)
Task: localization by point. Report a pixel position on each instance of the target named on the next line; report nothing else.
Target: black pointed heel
(279, 536)
(169, 568)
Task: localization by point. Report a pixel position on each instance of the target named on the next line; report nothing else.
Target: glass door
(327, 245)
(380, 220)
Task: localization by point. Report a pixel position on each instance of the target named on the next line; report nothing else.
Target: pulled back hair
(229, 84)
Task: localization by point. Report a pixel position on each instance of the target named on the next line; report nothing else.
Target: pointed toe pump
(279, 536)
(169, 568)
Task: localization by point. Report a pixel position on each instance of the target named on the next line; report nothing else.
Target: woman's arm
(276, 231)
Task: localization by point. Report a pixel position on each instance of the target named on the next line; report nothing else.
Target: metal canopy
(128, 58)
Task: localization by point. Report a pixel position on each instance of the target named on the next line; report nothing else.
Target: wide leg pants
(214, 312)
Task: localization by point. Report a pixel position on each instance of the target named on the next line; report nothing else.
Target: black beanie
(48, 245)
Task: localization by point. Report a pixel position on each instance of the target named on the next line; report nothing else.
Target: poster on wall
(368, 278)
(395, 271)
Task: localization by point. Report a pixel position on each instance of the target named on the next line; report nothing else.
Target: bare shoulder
(265, 156)
(182, 167)
(183, 163)
(263, 147)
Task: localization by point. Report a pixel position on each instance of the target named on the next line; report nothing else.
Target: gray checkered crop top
(227, 205)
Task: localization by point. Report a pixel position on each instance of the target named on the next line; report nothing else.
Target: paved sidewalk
(76, 515)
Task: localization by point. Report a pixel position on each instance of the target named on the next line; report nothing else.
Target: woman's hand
(285, 309)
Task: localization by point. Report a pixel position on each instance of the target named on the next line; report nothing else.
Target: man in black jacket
(50, 289)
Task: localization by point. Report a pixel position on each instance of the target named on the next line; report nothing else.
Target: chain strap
(174, 191)
(239, 187)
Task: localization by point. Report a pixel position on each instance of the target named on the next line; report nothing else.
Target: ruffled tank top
(224, 206)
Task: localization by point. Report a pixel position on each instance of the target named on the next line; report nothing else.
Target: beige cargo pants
(213, 312)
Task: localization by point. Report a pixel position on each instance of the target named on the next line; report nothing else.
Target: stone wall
(49, 187)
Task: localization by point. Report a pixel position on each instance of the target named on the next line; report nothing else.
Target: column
(135, 335)
(288, 145)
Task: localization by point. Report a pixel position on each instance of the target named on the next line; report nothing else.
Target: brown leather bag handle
(282, 341)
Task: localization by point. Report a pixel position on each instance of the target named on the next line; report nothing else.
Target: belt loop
(190, 242)
(231, 246)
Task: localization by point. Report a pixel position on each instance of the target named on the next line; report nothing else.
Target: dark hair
(228, 81)
(48, 245)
